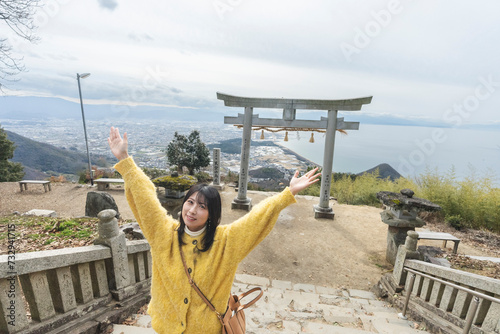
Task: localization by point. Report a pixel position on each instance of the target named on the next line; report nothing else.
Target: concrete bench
(103, 184)
(440, 236)
(24, 184)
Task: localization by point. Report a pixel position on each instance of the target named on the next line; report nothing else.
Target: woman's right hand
(118, 145)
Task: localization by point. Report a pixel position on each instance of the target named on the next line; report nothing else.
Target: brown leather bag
(233, 321)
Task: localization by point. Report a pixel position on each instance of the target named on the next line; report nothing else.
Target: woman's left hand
(298, 184)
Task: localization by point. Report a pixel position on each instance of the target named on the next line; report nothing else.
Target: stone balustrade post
(111, 236)
(406, 251)
(13, 319)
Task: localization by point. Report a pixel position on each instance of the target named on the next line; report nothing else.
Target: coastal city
(148, 141)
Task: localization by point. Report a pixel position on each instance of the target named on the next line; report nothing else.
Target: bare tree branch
(18, 15)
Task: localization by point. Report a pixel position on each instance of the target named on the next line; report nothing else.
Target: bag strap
(195, 287)
(253, 301)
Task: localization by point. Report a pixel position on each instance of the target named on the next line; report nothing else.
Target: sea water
(408, 149)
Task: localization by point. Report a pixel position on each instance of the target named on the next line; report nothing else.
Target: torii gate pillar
(289, 106)
(242, 202)
(323, 209)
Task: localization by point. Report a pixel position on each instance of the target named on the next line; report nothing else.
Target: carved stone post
(111, 236)
(216, 170)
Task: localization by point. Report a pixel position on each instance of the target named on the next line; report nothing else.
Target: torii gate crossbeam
(289, 106)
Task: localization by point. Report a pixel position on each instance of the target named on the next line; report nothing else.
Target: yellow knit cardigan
(175, 307)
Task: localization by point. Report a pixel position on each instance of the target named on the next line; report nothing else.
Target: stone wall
(81, 290)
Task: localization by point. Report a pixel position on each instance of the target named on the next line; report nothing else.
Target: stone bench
(103, 184)
(440, 236)
(24, 184)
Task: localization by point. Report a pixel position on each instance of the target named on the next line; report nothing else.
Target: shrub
(454, 221)
(203, 177)
(473, 199)
(362, 190)
(59, 178)
(82, 177)
(179, 183)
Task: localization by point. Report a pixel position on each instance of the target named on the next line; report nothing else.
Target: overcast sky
(434, 60)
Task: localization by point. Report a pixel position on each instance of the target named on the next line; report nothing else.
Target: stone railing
(75, 290)
(447, 294)
(441, 296)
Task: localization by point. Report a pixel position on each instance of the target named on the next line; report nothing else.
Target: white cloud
(426, 58)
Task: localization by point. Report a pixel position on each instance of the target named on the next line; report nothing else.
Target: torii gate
(289, 106)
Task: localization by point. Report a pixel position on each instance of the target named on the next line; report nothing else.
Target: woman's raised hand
(118, 145)
(298, 184)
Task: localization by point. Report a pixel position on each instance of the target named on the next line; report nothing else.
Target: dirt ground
(348, 251)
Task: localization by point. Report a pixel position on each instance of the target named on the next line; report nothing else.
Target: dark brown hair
(211, 197)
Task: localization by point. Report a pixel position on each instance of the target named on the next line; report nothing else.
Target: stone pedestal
(320, 212)
(397, 232)
(219, 187)
(245, 204)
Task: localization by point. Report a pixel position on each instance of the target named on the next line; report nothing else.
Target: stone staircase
(288, 308)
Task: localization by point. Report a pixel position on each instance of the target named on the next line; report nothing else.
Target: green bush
(362, 190)
(454, 221)
(179, 183)
(203, 177)
(474, 199)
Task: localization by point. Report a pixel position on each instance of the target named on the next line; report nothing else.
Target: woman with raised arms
(212, 252)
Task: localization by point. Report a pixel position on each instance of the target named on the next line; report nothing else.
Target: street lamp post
(83, 76)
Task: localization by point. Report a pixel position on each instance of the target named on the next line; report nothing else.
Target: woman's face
(195, 212)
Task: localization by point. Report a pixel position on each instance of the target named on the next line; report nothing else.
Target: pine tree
(189, 152)
(9, 171)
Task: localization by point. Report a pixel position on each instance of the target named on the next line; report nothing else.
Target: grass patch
(40, 233)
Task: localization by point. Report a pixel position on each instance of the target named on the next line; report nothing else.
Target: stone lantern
(401, 215)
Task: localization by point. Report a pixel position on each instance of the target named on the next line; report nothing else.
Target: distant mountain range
(30, 107)
(27, 108)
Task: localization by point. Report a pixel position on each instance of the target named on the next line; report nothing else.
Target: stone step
(289, 308)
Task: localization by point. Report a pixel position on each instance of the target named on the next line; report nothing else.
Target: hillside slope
(45, 157)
